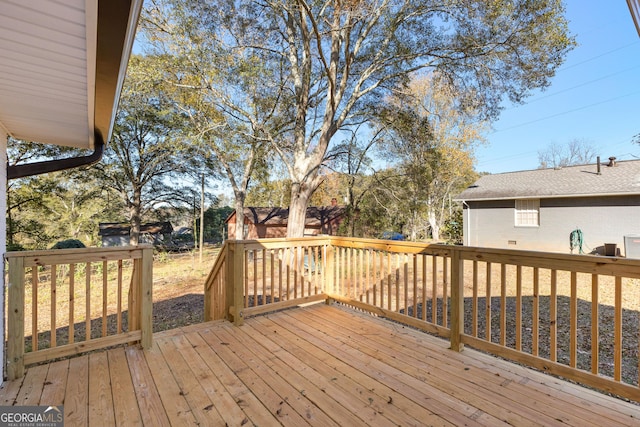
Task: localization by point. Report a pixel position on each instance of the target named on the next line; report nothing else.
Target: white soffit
(48, 57)
(43, 71)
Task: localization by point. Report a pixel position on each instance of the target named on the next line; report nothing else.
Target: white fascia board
(555, 196)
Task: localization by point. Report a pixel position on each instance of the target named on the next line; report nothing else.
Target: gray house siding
(601, 219)
(108, 241)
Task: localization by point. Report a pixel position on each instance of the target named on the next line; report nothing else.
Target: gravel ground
(606, 335)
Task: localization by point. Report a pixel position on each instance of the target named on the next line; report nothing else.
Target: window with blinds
(527, 213)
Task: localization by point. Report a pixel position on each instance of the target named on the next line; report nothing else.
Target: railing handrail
(582, 263)
(217, 265)
(90, 250)
(77, 255)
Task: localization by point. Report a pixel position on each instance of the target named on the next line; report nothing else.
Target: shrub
(14, 247)
(68, 244)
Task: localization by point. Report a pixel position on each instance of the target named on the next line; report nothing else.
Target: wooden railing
(215, 306)
(404, 281)
(252, 277)
(571, 315)
(65, 302)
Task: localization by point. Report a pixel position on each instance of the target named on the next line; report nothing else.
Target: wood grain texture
(318, 365)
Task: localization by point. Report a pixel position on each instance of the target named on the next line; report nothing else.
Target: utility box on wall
(632, 246)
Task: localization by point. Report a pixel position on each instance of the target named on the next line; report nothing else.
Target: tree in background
(26, 211)
(343, 56)
(78, 204)
(310, 69)
(228, 96)
(430, 139)
(575, 152)
(270, 189)
(146, 151)
(61, 205)
(214, 223)
(351, 160)
(381, 209)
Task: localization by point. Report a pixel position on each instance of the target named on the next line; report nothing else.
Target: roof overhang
(548, 196)
(634, 7)
(62, 65)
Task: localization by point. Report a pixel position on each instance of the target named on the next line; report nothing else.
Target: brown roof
(570, 181)
(316, 215)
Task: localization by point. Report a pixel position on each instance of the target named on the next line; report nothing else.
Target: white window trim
(532, 205)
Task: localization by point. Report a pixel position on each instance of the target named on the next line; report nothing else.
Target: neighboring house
(539, 209)
(117, 234)
(63, 64)
(262, 223)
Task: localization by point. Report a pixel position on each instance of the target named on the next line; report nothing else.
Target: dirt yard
(178, 288)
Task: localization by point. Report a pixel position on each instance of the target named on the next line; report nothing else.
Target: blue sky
(595, 95)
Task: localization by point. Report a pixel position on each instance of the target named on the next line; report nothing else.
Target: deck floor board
(333, 409)
(56, 383)
(359, 384)
(101, 408)
(76, 397)
(125, 408)
(318, 365)
(441, 368)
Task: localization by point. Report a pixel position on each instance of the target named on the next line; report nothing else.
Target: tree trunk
(134, 233)
(300, 194)
(239, 205)
(135, 218)
(414, 226)
(10, 241)
(434, 224)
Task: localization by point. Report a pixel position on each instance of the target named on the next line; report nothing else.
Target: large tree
(146, 151)
(317, 66)
(229, 98)
(343, 55)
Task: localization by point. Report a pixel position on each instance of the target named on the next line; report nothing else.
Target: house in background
(117, 234)
(260, 223)
(539, 209)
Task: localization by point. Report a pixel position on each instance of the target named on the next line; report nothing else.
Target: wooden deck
(319, 365)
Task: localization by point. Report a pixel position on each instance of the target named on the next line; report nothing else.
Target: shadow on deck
(317, 365)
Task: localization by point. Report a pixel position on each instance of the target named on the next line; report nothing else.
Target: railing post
(228, 286)
(457, 300)
(15, 320)
(234, 292)
(133, 315)
(146, 298)
(329, 280)
(207, 316)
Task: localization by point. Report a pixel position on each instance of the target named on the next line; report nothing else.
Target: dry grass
(178, 288)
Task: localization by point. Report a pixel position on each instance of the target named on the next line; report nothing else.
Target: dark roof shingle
(316, 215)
(570, 181)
